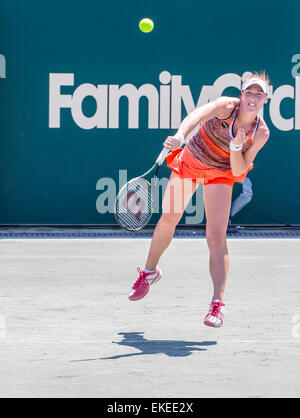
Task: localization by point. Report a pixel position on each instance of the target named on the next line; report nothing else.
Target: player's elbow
(236, 172)
(239, 169)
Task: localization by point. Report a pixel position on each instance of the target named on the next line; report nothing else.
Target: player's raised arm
(218, 107)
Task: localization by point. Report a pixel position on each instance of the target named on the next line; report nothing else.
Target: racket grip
(162, 156)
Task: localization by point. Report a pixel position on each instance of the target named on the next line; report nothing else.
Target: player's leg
(217, 202)
(177, 196)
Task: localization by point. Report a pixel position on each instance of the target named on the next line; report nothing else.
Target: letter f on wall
(56, 99)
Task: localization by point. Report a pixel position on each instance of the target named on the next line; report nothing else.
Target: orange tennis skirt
(183, 163)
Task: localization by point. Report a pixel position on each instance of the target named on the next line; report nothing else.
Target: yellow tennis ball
(146, 25)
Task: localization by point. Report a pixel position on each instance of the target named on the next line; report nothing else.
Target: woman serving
(221, 153)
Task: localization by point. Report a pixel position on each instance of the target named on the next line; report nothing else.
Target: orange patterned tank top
(210, 145)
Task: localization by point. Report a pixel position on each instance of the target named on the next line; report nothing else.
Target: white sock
(148, 271)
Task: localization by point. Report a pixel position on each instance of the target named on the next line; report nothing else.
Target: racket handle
(162, 156)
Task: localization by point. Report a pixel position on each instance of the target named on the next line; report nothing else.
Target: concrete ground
(67, 328)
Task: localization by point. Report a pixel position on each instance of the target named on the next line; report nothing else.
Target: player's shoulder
(225, 105)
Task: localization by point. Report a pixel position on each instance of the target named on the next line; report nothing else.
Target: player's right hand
(172, 143)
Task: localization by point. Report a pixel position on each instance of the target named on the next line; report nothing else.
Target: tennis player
(221, 153)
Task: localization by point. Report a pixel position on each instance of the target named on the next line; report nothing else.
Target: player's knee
(169, 219)
(215, 240)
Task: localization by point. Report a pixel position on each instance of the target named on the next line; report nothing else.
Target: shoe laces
(215, 308)
(140, 278)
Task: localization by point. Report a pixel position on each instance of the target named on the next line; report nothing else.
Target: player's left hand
(240, 138)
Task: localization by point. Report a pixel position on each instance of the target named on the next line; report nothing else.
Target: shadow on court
(171, 348)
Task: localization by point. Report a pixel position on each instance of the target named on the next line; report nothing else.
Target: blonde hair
(259, 74)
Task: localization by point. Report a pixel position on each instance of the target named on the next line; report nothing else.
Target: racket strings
(134, 204)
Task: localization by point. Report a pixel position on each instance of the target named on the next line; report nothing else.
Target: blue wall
(49, 174)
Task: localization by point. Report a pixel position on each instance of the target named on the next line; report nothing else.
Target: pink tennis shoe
(215, 315)
(145, 280)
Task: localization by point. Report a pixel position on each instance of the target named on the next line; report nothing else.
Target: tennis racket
(134, 202)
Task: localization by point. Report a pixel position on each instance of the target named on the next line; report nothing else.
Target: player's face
(253, 98)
